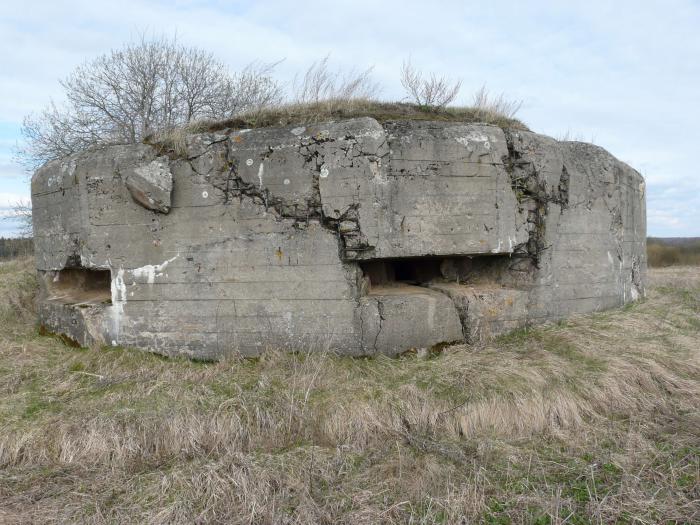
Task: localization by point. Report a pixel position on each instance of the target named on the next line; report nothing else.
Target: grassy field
(594, 420)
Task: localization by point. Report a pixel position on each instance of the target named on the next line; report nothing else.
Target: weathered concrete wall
(354, 236)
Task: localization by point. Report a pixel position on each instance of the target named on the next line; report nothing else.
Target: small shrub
(428, 92)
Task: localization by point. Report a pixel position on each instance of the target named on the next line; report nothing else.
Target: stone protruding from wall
(351, 236)
(151, 185)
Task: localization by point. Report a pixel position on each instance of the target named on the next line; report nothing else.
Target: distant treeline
(15, 247)
(675, 251)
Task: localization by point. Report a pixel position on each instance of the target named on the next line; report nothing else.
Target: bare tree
(319, 83)
(53, 133)
(498, 104)
(21, 212)
(145, 87)
(251, 90)
(430, 92)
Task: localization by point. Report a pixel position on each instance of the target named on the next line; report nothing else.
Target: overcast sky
(625, 75)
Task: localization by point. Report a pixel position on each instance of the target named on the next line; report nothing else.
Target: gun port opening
(79, 286)
(380, 274)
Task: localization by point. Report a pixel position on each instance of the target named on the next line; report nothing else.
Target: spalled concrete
(352, 236)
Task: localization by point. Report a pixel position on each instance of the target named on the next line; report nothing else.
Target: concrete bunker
(354, 235)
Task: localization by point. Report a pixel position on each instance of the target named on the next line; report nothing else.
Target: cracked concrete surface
(353, 236)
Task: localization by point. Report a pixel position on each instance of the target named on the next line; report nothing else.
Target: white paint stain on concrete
(205, 194)
(67, 171)
(72, 166)
(298, 131)
(118, 288)
(375, 134)
(261, 169)
(324, 172)
(474, 138)
(286, 182)
(151, 271)
(116, 311)
(249, 162)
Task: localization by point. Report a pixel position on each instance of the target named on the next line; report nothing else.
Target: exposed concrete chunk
(151, 185)
(351, 236)
(80, 325)
(486, 311)
(395, 319)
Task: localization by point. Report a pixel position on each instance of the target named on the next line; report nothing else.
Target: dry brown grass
(593, 420)
(295, 114)
(336, 109)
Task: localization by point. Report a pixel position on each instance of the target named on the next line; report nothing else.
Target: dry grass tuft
(591, 420)
(490, 104)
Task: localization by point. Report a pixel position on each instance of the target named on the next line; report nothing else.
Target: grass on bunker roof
(338, 109)
(592, 420)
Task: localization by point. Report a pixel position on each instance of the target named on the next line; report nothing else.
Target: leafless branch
(21, 212)
(432, 92)
(145, 87)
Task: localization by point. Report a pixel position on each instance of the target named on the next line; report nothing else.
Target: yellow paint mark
(238, 138)
(279, 253)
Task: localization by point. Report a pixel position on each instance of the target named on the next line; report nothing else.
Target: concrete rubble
(354, 236)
